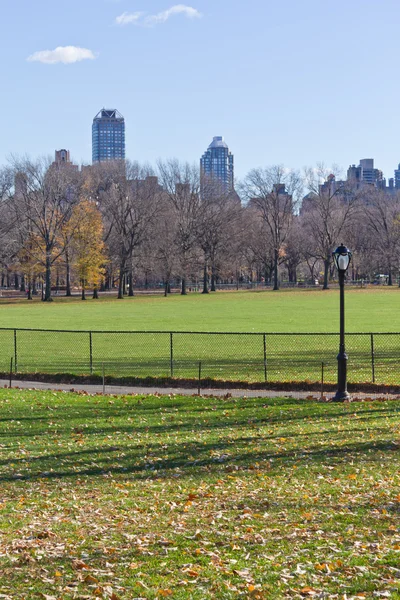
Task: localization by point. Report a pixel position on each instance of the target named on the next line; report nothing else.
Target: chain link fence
(245, 357)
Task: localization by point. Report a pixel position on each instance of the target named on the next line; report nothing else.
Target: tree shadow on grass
(187, 459)
(212, 421)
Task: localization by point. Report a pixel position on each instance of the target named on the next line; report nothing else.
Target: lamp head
(342, 258)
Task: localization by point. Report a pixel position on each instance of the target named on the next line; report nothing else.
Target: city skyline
(273, 79)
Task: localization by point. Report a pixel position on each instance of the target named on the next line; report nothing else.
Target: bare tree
(8, 223)
(181, 183)
(382, 212)
(128, 195)
(219, 212)
(274, 191)
(256, 246)
(326, 213)
(293, 255)
(162, 243)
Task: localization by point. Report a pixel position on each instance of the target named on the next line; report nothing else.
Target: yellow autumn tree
(30, 260)
(87, 245)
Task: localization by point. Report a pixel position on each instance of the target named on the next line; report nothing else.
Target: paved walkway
(127, 390)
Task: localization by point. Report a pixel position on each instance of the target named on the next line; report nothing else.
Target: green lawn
(191, 498)
(294, 311)
(230, 357)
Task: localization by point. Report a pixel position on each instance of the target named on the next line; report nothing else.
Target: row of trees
(118, 224)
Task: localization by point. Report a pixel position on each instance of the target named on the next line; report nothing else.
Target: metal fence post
(171, 353)
(265, 357)
(91, 352)
(322, 379)
(373, 357)
(104, 379)
(199, 386)
(15, 351)
(11, 370)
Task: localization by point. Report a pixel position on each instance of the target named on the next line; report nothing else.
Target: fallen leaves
(230, 498)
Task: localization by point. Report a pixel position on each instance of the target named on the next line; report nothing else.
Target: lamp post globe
(342, 258)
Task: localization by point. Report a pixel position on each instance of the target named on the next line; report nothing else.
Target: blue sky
(292, 82)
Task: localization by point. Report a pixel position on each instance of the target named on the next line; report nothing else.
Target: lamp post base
(341, 396)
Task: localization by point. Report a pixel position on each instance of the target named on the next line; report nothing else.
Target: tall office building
(365, 173)
(397, 178)
(217, 163)
(108, 136)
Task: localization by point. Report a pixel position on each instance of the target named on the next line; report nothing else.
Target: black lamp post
(342, 258)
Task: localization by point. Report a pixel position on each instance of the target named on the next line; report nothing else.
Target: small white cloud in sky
(62, 54)
(178, 9)
(139, 18)
(128, 18)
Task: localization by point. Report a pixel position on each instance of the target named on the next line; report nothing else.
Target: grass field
(191, 498)
(294, 311)
(230, 357)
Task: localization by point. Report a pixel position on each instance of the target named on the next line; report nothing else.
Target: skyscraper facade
(217, 164)
(397, 178)
(108, 136)
(365, 173)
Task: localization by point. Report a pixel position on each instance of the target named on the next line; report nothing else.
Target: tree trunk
(166, 288)
(68, 277)
(205, 279)
(183, 287)
(327, 263)
(131, 294)
(16, 281)
(23, 287)
(95, 293)
(121, 281)
(47, 292)
(83, 291)
(390, 278)
(276, 278)
(29, 296)
(311, 268)
(213, 278)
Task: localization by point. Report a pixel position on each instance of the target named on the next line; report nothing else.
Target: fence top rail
(168, 332)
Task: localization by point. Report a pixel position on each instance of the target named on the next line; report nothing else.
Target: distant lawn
(294, 311)
(190, 498)
(227, 357)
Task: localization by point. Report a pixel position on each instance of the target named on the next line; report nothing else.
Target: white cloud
(62, 54)
(178, 9)
(139, 18)
(128, 18)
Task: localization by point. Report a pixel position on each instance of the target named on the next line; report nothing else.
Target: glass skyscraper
(217, 163)
(108, 136)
